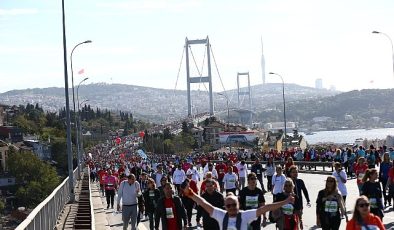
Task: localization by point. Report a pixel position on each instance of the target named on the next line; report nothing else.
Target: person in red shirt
(221, 168)
(170, 210)
(363, 217)
(111, 184)
(359, 169)
(102, 174)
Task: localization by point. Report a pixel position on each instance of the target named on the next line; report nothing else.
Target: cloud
(15, 12)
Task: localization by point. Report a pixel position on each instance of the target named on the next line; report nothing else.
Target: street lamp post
(391, 42)
(80, 147)
(284, 104)
(75, 117)
(68, 121)
(79, 122)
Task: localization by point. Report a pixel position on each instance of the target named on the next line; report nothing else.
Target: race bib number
(331, 206)
(370, 227)
(169, 213)
(232, 224)
(373, 202)
(252, 201)
(288, 209)
(151, 193)
(258, 171)
(361, 175)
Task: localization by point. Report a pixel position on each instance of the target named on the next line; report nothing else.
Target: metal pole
(75, 116)
(391, 42)
(79, 124)
(69, 146)
(189, 103)
(210, 78)
(284, 104)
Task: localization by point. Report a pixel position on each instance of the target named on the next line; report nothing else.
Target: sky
(141, 42)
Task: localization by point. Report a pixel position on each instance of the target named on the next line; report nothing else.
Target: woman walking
(371, 189)
(330, 206)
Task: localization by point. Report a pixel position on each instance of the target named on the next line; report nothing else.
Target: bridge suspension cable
(177, 77)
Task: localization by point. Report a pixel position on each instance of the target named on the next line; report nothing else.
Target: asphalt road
(314, 183)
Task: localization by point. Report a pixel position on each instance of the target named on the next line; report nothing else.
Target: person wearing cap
(194, 173)
(128, 192)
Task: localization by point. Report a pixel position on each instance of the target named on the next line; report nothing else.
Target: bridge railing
(91, 202)
(303, 166)
(45, 215)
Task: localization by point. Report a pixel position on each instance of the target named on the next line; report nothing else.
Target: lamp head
(375, 32)
(271, 73)
(88, 41)
(86, 78)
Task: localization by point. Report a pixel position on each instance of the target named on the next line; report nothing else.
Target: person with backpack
(233, 217)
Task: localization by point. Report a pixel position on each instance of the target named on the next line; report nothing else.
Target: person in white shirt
(193, 171)
(232, 217)
(243, 173)
(211, 169)
(341, 177)
(178, 177)
(278, 181)
(230, 181)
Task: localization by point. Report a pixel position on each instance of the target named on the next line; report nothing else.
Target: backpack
(237, 224)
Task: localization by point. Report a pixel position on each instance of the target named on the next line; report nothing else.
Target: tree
(38, 178)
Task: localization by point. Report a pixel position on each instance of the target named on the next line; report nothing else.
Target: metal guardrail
(93, 227)
(45, 215)
(306, 164)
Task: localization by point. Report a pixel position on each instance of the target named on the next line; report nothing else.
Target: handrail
(45, 215)
(93, 226)
(311, 164)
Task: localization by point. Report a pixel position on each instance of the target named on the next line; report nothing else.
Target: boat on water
(309, 133)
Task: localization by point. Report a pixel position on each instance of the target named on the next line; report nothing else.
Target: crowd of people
(165, 189)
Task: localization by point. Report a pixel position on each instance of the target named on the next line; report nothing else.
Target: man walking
(129, 191)
(170, 210)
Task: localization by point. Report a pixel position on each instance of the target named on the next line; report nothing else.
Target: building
(4, 150)
(11, 133)
(41, 150)
(276, 126)
(273, 141)
(2, 116)
(319, 83)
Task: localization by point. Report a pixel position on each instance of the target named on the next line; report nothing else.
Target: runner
(252, 197)
(330, 206)
(363, 219)
(170, 211)
(232, 217)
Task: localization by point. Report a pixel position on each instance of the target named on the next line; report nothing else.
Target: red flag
(82, 71)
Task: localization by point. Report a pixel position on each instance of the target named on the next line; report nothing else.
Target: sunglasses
(231, 205)
(363, 205)
(253, 178)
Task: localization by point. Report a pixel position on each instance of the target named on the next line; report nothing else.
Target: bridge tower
(245, 92)
(200, 79)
